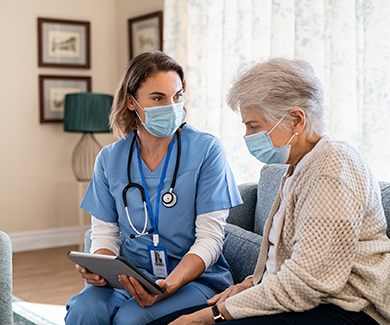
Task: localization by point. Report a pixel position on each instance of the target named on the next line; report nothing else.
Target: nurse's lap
(94, 305)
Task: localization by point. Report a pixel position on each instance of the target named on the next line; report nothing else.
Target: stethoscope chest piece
(169, 199)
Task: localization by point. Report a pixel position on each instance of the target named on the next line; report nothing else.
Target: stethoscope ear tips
(169, 199)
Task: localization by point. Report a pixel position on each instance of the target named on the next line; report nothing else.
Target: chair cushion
(270, 178)
(241, 249)
(385, 193)
(243, 215)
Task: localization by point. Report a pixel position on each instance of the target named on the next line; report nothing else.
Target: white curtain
(347, 43)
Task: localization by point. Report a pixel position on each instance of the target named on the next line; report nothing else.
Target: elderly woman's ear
(298, 119)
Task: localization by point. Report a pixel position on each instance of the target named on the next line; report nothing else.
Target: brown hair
(123, 121)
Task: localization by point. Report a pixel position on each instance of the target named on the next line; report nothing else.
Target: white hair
(276, 86)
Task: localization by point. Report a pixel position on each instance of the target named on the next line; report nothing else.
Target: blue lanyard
(154, 219)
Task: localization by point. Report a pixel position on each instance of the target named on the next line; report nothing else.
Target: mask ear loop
(139, 107)
(296, 133)
(278, 123)
(137, 103)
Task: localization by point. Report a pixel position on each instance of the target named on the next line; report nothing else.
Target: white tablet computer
(110, 267)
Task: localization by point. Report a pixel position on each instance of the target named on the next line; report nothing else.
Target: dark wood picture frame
(145, 33)
(64, 43)
(52, 91)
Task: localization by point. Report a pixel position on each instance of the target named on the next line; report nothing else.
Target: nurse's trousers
(103, 305)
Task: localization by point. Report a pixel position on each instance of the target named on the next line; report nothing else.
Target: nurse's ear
(131, 104)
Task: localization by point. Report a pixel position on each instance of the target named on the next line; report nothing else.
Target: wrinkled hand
(91, 278)
(231, 291)
(144, 298)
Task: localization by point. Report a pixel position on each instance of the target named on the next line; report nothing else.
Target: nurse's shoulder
(115, 154)
(205, 142)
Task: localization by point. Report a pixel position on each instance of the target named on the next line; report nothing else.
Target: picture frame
(52, 91)
(145, 33)
(64, 43)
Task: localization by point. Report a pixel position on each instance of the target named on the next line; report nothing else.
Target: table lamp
(87, 113)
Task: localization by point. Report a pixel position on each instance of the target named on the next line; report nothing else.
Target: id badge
(158, 258)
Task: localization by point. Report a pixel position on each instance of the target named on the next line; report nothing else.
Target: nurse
(167, 188)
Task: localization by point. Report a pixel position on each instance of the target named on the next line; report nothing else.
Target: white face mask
(162, 121)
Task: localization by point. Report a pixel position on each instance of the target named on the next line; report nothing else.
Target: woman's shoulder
(335, 151)
(338, 159)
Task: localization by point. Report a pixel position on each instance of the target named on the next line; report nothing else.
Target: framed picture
(52, 91)
(63, 43)
(145, 33)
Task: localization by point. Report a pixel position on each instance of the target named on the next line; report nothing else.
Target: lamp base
(84, 155)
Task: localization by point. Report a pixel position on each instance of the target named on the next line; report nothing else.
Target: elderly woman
(325, 257)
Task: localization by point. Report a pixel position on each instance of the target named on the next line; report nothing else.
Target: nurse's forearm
(189, 268)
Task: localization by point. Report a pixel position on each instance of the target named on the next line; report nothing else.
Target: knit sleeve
(320, 241)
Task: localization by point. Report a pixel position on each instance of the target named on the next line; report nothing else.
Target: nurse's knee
(132, 313)
(86, 308)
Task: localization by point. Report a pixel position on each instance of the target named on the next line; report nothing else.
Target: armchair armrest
(5, 279)
(87, 241)
(241, 249)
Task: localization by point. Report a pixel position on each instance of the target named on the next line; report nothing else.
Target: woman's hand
(231, 291)
(204, 316)
(95, 279)
(144, 298)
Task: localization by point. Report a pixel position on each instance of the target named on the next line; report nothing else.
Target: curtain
(345, 41)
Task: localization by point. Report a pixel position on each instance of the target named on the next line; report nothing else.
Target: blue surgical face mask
(162, 121)
(260, 146)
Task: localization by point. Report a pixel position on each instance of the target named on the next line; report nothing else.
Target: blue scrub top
(205, 183)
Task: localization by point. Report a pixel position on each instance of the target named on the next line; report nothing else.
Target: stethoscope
(169, 199)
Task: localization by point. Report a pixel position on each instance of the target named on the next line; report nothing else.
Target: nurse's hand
(91, 278)
(144, 298)
(189, 268)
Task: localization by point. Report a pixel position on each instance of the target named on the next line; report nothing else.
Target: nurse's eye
(158, 98)
(178, 96)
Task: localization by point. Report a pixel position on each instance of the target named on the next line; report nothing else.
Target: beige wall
(37, 187)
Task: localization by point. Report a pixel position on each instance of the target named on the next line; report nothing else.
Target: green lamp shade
(87, 112)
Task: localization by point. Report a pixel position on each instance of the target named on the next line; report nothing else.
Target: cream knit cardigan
(331, 242)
